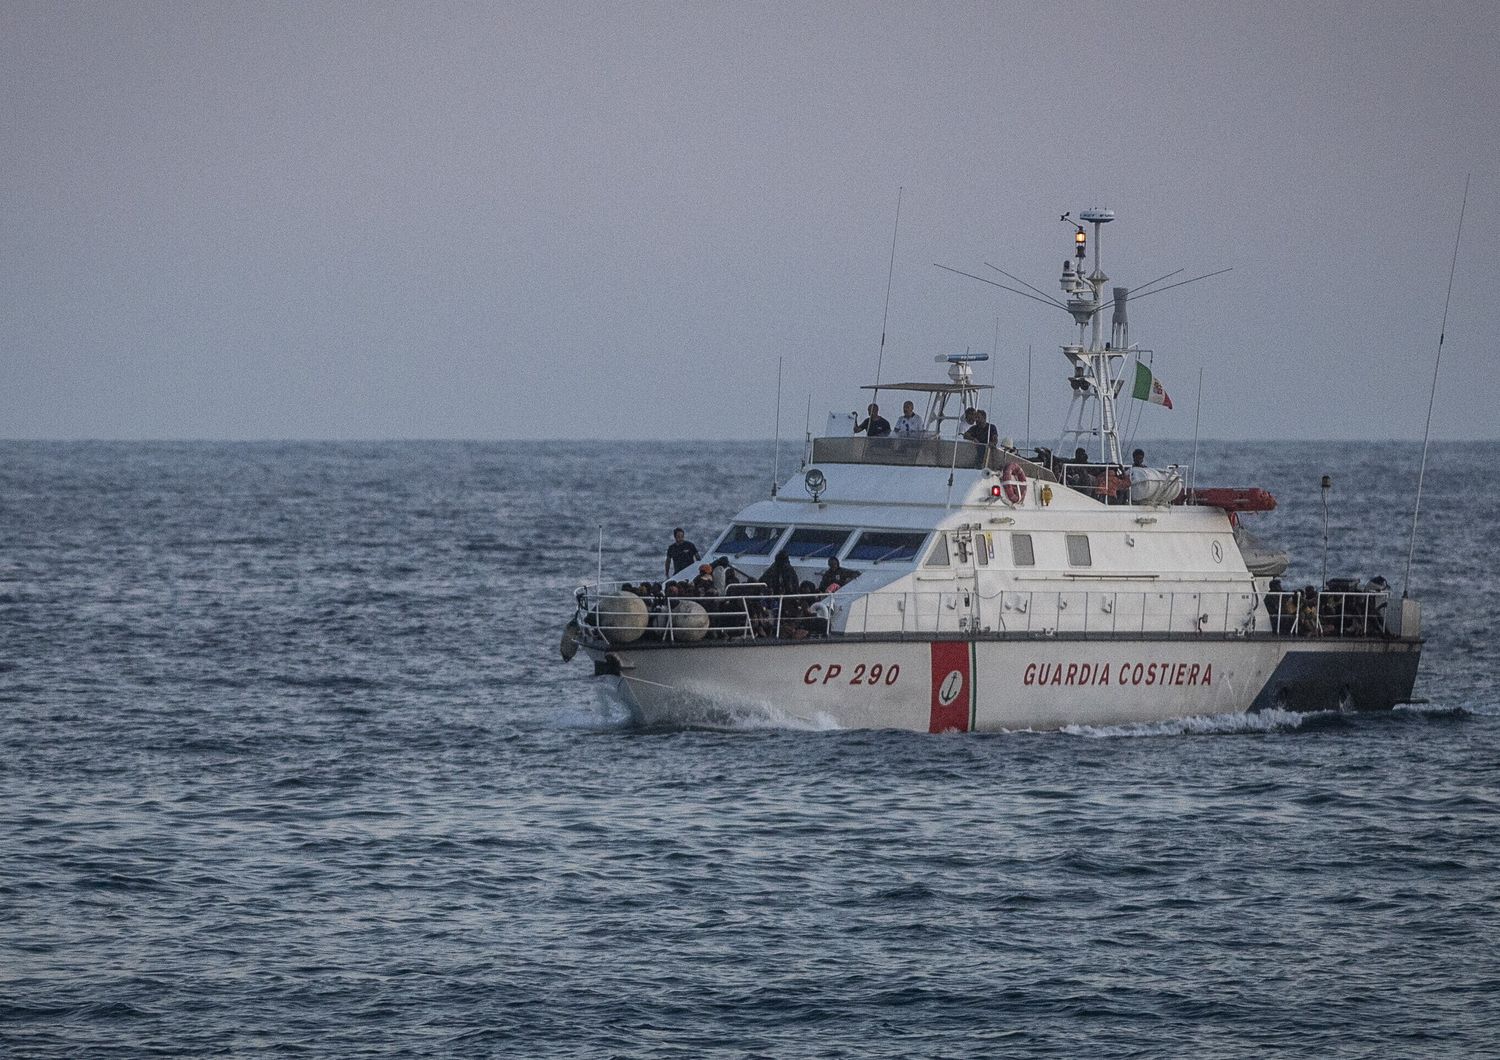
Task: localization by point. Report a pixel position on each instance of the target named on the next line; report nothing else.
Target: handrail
(926, 450)
(747, 613)
(1116, 485)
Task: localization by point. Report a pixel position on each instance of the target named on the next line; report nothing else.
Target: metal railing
(924, 451)
(1113, 483)
(749, 612)
(1327, 614)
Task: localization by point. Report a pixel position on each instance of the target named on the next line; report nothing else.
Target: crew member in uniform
(681, 552)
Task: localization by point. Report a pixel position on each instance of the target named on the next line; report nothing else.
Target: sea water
(289, 765)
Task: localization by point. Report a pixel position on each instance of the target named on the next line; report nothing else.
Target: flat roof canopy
(929, 388)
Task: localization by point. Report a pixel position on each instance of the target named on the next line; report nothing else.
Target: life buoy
(1013, 481)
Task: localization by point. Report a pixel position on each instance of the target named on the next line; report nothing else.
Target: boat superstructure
(981, 588)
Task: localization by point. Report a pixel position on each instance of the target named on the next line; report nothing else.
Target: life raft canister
(1013, 481)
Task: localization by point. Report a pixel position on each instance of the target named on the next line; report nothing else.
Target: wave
(695, 707)
(1204, 725)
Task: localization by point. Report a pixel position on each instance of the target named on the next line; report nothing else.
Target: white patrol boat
(979, 589)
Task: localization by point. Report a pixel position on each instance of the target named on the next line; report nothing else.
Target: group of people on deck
(1344, 608)
(874, 425)
(977, 427)
(1110, 483)
(779, 603)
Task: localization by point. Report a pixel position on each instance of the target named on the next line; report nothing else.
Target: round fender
(622, 617)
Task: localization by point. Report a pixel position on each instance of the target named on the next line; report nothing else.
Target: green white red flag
(1148, 388)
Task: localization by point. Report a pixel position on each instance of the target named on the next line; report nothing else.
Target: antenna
(1138, 294)
(1026, 285)
(776, 445)
(1028, 395)
(1432, 397)
(885, 313)
(1327, 487)
(807, 430)
(995, 365)
(1193, 468)
(992, 283)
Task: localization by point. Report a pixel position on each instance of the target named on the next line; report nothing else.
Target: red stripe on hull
(952, 686)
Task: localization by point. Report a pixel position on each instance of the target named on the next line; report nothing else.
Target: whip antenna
(886, 312)
(776, 445)
(1028, 395)
(1432, 397)
(807, 432)
(1193, 467)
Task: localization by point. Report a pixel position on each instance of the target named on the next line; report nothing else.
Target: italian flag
(1148, 387)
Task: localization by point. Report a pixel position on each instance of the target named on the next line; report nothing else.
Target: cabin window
(1020, 550)
(744, 539)
(887, 546)
(1078, 551)
(814, 542)
(983, 546)
(938, 557)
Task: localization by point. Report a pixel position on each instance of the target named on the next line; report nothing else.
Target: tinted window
(1020, 550)
(880, 546)
(746, 540)
(938, 557)
(1078, 551)
(810, 542)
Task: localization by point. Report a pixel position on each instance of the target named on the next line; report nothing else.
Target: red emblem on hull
(952, 687)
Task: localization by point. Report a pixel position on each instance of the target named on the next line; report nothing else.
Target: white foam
(704, 707)
(608, 711)
(1196, 725)
(1488, 710)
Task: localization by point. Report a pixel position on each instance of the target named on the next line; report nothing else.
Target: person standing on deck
(681, 552)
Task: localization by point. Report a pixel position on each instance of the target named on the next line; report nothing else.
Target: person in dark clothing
(984, 435)
(1080, 478)
(982, 431)
(874, 425)
(681, 552)
(781, 576)
(835, 575)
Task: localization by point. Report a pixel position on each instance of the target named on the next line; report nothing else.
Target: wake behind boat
(935, 578)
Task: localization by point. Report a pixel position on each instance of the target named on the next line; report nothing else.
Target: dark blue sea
(289, 766)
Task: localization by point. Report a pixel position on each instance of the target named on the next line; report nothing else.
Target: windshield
(881, 546)
(745, 539)
(810, 542)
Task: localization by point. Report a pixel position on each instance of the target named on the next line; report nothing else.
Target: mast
(1091, 415)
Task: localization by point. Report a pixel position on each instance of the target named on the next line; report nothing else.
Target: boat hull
(999, 684)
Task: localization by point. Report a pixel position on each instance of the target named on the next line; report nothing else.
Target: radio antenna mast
(1432, 397)
(1028, 395)
(886, 312)
(776, 444)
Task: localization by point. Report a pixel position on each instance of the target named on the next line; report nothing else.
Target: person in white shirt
(910, 424)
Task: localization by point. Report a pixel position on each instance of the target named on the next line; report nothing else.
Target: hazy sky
(609, 220)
